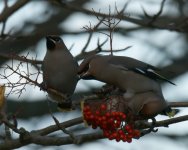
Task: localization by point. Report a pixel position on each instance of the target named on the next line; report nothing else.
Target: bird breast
(59, 72)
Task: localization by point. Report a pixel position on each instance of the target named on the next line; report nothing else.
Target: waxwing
(137, 79)
(59, 69)
(128, 74)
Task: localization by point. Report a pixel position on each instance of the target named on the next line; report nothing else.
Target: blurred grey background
(157, 37)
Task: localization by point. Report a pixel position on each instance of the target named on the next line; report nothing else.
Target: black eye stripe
(51, 41)
(57, 39)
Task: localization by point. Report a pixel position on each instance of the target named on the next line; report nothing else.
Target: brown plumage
(126, 73)
(59, 68)
(147, 104)
(136, 79)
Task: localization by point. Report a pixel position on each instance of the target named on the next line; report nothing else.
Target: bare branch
(61, 127)
(91, 30)
(178, 104)
(159, 12)
(142, 22)
(53, 128)
(20, 58)
(90, 53)
(166, 123)
(36, 138)
(117, 50)
(10, 10)
(154, 17)
(87, 43)
(3, 29)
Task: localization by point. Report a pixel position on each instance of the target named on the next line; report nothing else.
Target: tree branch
(38, 136)
(20, 58)
(10, 10)
(145, 22)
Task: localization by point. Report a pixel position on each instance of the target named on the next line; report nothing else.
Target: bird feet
(151, 129)
(43, 86)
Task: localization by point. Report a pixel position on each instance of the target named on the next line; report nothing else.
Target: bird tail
(160, 77)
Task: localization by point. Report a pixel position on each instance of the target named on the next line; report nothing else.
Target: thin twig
(154, 18)
(11, 126)
(61, 127)
(10, 10)
(3, 28)
(117, 50)
(166, 123)
(90, 53)
(91, 30)
(53, 128)
(111, 23)
(20, 58)
(178, 104)
(144, 22)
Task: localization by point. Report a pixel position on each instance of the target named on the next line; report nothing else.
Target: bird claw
(151, 129)
(154, 130)
(43, 86)
(153, 125)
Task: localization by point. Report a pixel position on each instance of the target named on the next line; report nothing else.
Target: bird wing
(127, 63)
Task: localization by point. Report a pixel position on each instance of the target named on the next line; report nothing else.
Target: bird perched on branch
(59, 70)
(133, 77)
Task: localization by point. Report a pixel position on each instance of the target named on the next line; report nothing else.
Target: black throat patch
(50, 44)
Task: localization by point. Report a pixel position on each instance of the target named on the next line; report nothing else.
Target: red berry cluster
(113, 124)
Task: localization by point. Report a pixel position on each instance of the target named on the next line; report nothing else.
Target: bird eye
(57, 39)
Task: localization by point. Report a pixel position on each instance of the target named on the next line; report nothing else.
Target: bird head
(84, 70)
(84, 73)
(53, 42)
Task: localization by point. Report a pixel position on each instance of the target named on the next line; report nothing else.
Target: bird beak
(50, 43)
(86, 76)
(49, 38)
